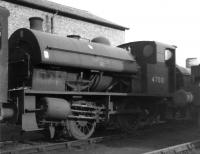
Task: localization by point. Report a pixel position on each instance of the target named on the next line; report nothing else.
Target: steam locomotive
(69, 86)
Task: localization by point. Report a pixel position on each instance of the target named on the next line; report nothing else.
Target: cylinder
(55, 108)
(36, 23)
(182, 98)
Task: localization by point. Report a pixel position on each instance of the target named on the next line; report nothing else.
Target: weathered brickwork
(19, 17)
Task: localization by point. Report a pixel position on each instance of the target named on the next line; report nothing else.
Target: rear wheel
(128, 120)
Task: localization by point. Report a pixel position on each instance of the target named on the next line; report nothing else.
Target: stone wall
(19, 17)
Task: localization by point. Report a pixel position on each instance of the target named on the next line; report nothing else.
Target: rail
(185, 148)
(66, 145)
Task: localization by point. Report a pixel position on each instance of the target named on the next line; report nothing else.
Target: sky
(174, 22)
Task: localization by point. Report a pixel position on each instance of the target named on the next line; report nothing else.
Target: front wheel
(83, 126)
(80, 129)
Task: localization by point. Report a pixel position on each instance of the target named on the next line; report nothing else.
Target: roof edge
(66, 14)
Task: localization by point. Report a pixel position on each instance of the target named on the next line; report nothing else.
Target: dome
(101, 40)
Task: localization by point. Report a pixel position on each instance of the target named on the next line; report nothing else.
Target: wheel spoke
(81, 129)
(86, 128)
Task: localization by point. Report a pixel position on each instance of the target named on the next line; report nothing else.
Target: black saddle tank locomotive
(69, 86)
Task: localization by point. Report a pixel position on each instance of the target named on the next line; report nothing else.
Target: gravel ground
(143, 141)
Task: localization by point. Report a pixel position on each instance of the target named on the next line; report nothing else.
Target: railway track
(186, 148)
(63, 146)
(30, 147)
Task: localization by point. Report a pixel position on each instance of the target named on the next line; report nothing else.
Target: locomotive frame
(66, 86)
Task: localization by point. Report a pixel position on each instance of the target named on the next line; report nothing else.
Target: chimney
(36, 23)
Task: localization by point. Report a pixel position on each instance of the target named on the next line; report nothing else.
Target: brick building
(62, 20)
